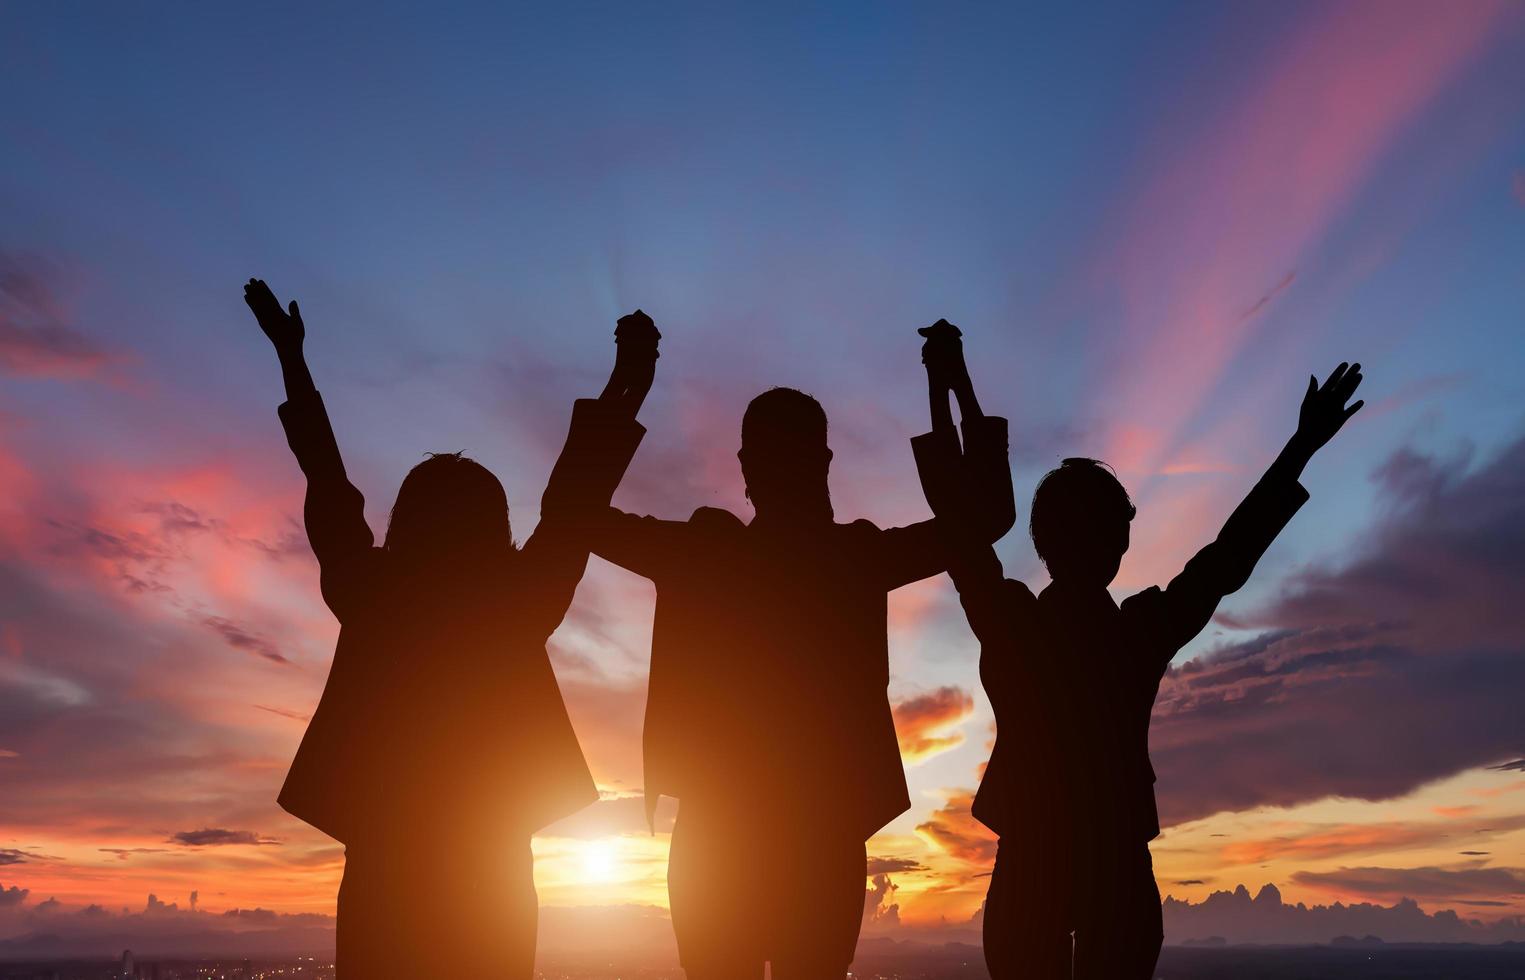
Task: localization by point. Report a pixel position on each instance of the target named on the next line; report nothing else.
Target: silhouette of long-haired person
(767, 713)
(1072, 677)
(441, 742)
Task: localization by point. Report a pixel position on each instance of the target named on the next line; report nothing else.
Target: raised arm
(643, 545)
(334, 511)
(962, 485)
(1223, 567)
(968, 487)
(599, 446)
(635, 363)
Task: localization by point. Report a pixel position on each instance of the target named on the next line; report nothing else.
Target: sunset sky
(1151, 224)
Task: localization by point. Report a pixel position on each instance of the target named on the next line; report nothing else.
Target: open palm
(283, 327)
(1324, 410)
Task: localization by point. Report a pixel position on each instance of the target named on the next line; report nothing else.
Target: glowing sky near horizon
(1152, 225)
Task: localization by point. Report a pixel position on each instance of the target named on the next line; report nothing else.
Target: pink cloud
(36, 339)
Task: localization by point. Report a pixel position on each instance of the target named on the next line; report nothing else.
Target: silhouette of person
(767, 714)
(1072, 677)
(441, 742)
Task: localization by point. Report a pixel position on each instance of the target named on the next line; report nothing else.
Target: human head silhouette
(784, 456)
(1080, 522)
(449, 508)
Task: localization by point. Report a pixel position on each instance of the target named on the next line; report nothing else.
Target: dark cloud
(293, 715)
(893, 865)
(1420, 883)
(216, 837)
(9, 855)
(1192, 881)
(1271, 294)
(1424, 623)
(923, 722)
(1237, 918)
(240, 638)
(75, 538)
(143, 559)
(176, 518)
(35, 339)
(879, 906)
(1517, 765)
(14, 895)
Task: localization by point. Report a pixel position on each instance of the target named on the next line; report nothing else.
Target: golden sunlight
(600, 859)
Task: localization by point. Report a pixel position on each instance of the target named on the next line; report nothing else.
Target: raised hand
(283, 327)
(943, 355)
(635, 361)
(1324, 410)
(286, 332)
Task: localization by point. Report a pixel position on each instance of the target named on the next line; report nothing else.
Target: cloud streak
(34, 340)
(926, 723)
(218, 837)
(1424, 624)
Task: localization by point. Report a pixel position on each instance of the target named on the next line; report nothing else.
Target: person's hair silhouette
(767, 713)
(1080, 519)
(441, 742)
(1072, 677)
(785, 459)
(449, 506)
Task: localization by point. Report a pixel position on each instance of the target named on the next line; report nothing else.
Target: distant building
(128, 969)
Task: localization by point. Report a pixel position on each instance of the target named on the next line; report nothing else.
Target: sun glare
(599, 858)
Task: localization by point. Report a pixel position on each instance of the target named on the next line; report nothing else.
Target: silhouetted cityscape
(1360, 959)
(130, 967)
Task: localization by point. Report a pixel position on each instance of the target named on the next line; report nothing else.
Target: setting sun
(600, 859)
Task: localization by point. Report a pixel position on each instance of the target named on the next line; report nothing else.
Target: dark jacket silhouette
(1072, 677)
(443, 699)
(441, 742)
(767, 715)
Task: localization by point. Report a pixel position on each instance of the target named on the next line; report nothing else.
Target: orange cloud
(1331, 841)
(923, 723)
(953, 830)
(1455, 811)
(1327, 842)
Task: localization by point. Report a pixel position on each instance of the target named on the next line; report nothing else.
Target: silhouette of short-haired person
(767, 713)
(1072, 677)
(441, 742)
